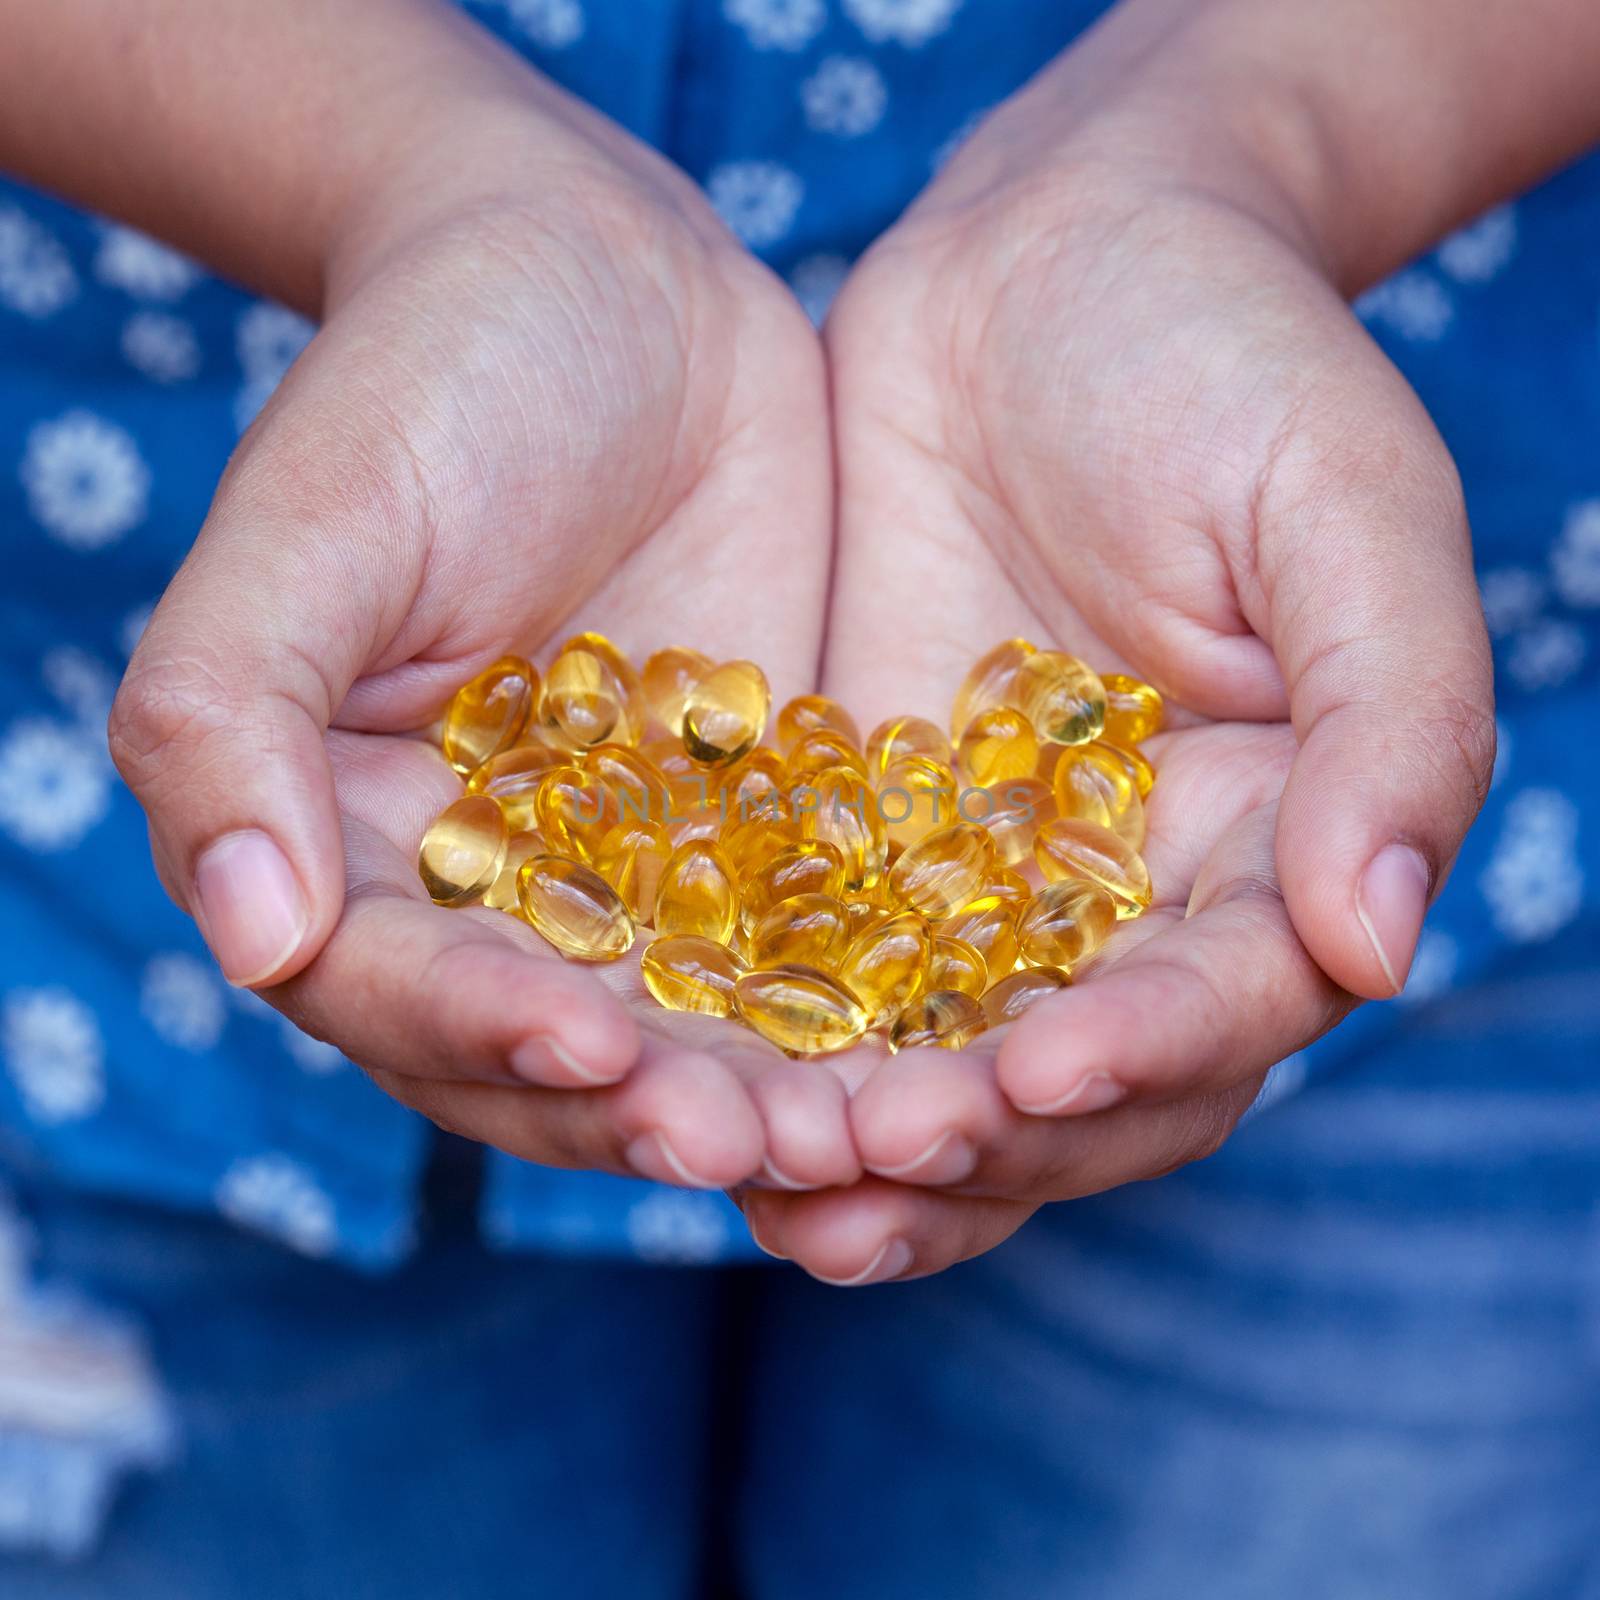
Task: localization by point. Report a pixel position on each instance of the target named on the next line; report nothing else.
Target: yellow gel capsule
(812, 930)
(1137, 765)
(837, 807)
(1065, 923)
(726, 713)
(943, 872)
(513, 777)
(905, 736)
(631, 858)
(806, 713)
(954, 964)
(1003, 886)
(1009, 998)
(862, 911)
(800, 1009)
(635, 787)
(703, 824)
(1092, 782)
(820, 749)
(667, 679)
(687, 973)
(991, 930)
(808, 866)
(757, 786)
(624, 680)
(501, 895)
(1021, 806)
(1072, 848)
(488, 714)
(581, 707)
(754, 841)
(916, 795)
(574, 908)
(463, 850)
(997, 746)
(887, 965)
(1134, 710)
(988, 683)
(948, 1018)
(1060, 696)
(570, 810)
(698, 892)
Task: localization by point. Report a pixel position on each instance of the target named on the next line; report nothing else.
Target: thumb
(1376, 622)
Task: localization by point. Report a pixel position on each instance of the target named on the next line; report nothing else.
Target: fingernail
(761, 1245)
(779, 1179)
(1391, 903)
(548, 1063)
(651, 1155)
(948, 1159)
(1095, 1092)
(890, 1262)
(249, 906)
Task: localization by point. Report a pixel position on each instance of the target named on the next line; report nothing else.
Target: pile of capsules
(919, 887)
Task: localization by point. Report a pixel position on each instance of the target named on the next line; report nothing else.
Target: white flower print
(315, 1057)
(1546, 655)
(1575, 560)
(81, 683)
(816, 281)
(54, 1053)
(36, 276)
(845, 96)
(1512, 598)
(268, 338)
(86, 482)
(1533, 881)
(777, 24)
(1412, 305)
(1433, 967)
(163, 347)
(757, 199)
(181, 998)
(142, 266)
(909, 22)
(554, 24)
(54, 784)
(275, 1195)
(1477, 252)
(677, 1225)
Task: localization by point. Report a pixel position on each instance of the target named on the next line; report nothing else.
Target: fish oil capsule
(726, 713)
(944, 1017)
(1060, 696)
(997, 746)
(808, 866)
(1134, 710)
(667, 678)
(954, 964)
(862, 911)
(757, 786)
(1071, 848)
(887, 965)
(991, 930)
(635, 787)
(806, 713)
(703, 824)
(820, 749)
(624, 680)
(512, 778)
(916, 795)
(487, 715)
(1092, 782)
(463, 850)
(753, 842)
(1009, 998)
(905, 736)
(501, 895)
(573, 908)
(1137, 765)
(1021, 806)
(944, 871)
(837, 807)
(569, 808)
(988, 683)
(1003, 886)
(581, 707)
(812, 930)
(799, 1009)
(684, 972)
(631, 858)
(1065, 923)
(698, 892)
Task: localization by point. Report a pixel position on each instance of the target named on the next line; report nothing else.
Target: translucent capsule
(916, 795)
(887, 965)
(753, 842)
(954, 964)
(812, 930)
(698, 892)
(943, 872)
(631, 858)
(574, 908)
(635, 787)
(687, 973)
(624, 680)
(1060, 696)
(667, 679)
(1092, 782)
(800, 1009)
(1065, 923)
(463, 850)
(862, 910)
(905, 736)
(757, 786)
(1003, 886)
(946, 1017)
(488, 714)
(1071, 848)
(581, 706)
(1009, 998)
(702, 823)
(808, 712)
(808, 866)
(991, 930)
(501, 895)
(820, 749)
(1137, 765)
(569, 808)
(837, 807)
(988, 683)
(726, 713)
(998, 745)
(1021, 806)
(512, 778)
(1134, 710)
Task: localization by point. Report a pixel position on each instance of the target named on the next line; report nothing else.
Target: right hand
(550, 392)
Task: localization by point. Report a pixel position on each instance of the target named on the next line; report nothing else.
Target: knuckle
(164, 713)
